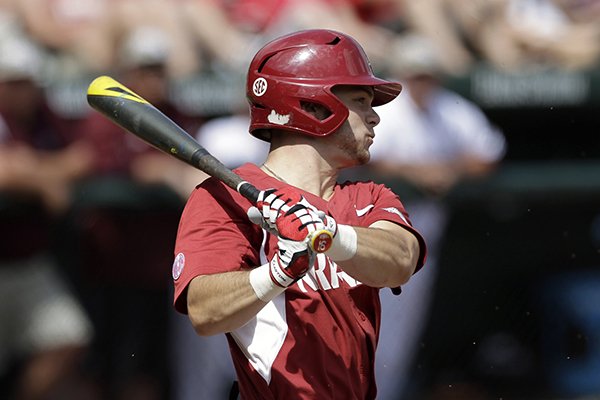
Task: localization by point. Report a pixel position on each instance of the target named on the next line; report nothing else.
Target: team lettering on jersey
(325, 276)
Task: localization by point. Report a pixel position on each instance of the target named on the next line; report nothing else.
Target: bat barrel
(149, 124)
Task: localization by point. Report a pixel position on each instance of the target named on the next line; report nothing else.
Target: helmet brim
(383, 91)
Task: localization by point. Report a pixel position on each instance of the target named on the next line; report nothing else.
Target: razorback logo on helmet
(278, 119)
(259, 87)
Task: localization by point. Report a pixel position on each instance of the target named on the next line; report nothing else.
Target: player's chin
(363, 157)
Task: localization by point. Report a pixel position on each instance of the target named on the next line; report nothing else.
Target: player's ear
(319, 111)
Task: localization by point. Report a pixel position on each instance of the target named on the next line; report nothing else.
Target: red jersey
(318, 338)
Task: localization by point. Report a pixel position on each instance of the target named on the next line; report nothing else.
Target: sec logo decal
(259, 87)
(178, 265)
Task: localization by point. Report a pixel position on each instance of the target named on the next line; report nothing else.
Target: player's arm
(221, 302)
(385, 254)
(226, 301)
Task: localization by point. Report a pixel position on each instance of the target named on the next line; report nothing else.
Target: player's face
(355, 136)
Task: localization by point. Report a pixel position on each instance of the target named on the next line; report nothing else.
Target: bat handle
(249, 191)
(320, 241)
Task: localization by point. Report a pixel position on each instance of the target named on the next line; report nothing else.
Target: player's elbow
(404, 263)
(203, 326)
(209, 321)
(204, 323)
(398, 277)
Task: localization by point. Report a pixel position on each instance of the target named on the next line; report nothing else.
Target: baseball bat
(136, 115)
(130, 111)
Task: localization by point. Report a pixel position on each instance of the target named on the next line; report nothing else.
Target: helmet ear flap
(319, 111)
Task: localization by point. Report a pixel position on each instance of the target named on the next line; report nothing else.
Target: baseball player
(300, 325)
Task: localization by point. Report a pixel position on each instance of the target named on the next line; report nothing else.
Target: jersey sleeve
(214, 236)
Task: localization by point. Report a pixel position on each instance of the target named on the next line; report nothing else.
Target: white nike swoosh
(363, 211)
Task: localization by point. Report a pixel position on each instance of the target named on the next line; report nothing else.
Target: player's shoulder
(359, 185)
(212, 193)
(366, 190)
(212, 189)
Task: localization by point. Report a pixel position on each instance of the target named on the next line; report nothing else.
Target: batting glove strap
(262, 284)
(291, 262)
(345, 244)
(278, 274)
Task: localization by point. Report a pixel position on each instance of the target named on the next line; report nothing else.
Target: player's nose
(373, 118)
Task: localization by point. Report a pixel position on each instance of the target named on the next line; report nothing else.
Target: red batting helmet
(303, 67)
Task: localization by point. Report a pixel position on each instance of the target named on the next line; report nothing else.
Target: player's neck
(301, 168)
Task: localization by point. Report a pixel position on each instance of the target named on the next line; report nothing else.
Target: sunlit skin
(356, 134)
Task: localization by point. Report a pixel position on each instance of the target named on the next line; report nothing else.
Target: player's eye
(361, 100)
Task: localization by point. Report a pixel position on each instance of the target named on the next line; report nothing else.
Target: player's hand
(291, 262)
(294, 218)
(274, 202)
(340, 242)
(268, 206)
(287, 214)
(329, 222)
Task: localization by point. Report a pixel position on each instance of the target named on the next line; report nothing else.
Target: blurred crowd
(88, 35)
(88, 214)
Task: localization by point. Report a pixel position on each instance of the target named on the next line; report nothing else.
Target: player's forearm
(383, 258)
(221, 302)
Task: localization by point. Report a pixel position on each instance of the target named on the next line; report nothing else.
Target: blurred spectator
(386, 13)
(511, 35)
(84, 36)
(519, 34)
(128, 16)
(77, 33)
(578, 10)
(43, 329)
(222, 40)
(247, 24)
(431, 139)
(340, 15)
(435, 20)
(124, 222)
(226, 138)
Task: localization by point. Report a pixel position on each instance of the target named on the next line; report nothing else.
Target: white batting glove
(287, 213)
(270, 204)
(290, 263)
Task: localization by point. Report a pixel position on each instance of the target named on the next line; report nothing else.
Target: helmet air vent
(335, 41)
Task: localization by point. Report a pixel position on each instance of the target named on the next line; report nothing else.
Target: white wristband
(262, 284)
(344, 245)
